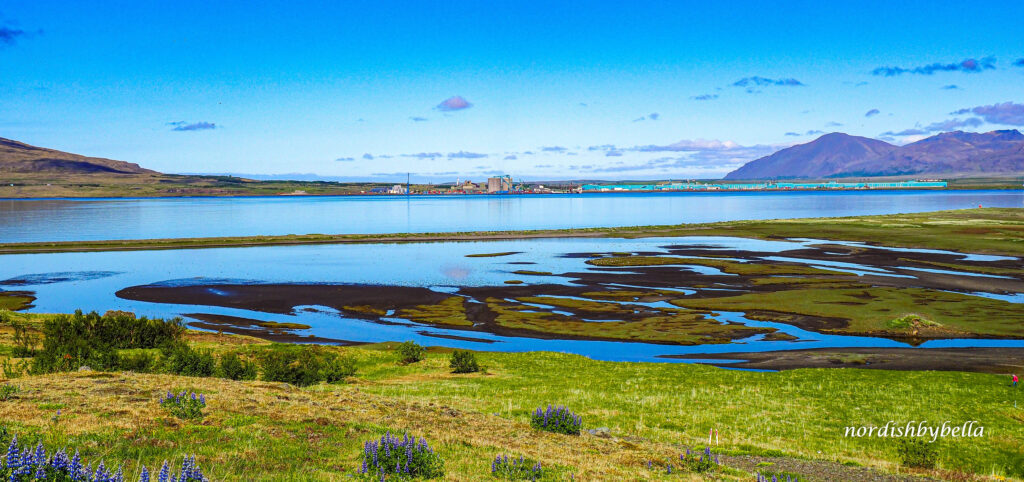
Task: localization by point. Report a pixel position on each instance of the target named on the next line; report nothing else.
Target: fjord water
(64, 282)
(148, 218)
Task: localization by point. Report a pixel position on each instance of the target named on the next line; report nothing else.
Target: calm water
(95, 219)
(64, 282)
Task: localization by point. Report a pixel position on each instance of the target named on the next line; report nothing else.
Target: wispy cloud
(9, 36)
(966, 65)
(950, 87)
(705, 97)
(687, 145)
(651, 116)
(183, 126)
(764, 82)
(424, 155)
(510, 157)
(1018, 63)
(1006, 113)
(812, 132)
(872, 112)
(834, 124)
(612, 154)
(710, 160)
(454, 103)
(418, 119)
(368, 156)
(904, 132)
(941, 126)
(554, 149)
(465, 155)
(345, 159)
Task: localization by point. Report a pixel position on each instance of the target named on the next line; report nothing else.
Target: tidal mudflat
(608, 298)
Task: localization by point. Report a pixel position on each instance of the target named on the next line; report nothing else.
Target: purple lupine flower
(144, 476)
(165, 473)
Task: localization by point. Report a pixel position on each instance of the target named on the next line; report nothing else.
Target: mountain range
(950, 154)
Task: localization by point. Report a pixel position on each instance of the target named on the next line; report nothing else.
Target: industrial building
(761, 186)
(500, 184)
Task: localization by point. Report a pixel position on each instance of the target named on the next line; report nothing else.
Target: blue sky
(597, 90)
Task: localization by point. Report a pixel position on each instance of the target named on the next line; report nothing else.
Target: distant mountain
(839, 155)
(22, 158)
(823, 157)
(949, 153)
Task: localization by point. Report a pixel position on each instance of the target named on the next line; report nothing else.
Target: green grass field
(271, 431)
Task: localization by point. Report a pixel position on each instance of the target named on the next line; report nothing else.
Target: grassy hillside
(76, 185)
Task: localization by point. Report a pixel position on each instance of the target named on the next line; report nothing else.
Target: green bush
(237, 368)
(141, 362)
(182, 359)
(24, 342)
(8, 391)
(916, 453)
(305, 365)
(410, 352)
(338, 368)
(463, 361)
(71, 341)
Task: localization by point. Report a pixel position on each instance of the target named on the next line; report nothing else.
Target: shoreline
(843, 228)
(184, 195)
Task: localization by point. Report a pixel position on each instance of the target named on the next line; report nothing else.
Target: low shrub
(556, 420)
(405, 457)
(916, 453)
(184, 405)
(141, 362)
(8, 391)
(182, 359)
(235, 367)
(410, 352)
(23, 464)
(72, 341)
(338, 368)
(463, 361)
(25, 342)
(512, 469)
(14, 369)
(305, 365)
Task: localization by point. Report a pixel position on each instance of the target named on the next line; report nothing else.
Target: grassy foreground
(257, 430)
(986, 230)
